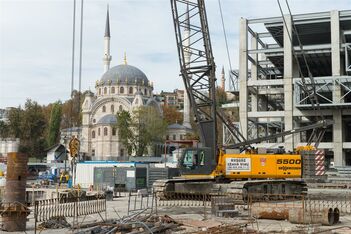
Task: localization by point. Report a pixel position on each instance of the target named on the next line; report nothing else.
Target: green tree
(143, 128)
(221, 96)
(54, 124)
(71, 114)
(4, 129)
(33, 126)
(15, 121)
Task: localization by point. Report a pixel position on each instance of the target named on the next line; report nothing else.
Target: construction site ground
(198, 219)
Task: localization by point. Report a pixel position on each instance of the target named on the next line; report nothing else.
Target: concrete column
(335, 49)
(254, 46)
(339, 155)
(243, 62)
(335, 42)
(254, 96)
(288, 84)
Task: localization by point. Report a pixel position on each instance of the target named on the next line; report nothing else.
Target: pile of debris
(55, 223)
(139, 224)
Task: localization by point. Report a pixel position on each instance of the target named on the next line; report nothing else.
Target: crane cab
(199, 162)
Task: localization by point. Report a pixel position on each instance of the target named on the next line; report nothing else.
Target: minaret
(107, 57)
(186, 111)
(223, 79)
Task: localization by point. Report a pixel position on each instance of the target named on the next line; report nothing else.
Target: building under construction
(275, 54)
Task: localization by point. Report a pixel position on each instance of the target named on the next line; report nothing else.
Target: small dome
(176, 126)
(108, 119)
(124, 73)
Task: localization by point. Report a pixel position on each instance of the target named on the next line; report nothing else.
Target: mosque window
(174, 137)
(105, 131)
(120, 108)
(99, 132)
(99, 91)
(105, 90)
(121, 152)
(130, 90)
(145, 91)
(113, 90)
(104, 109)
(93, 134)
(112, 108)
(94, 120)
(114, 131)
(93, 152)
(121, 90)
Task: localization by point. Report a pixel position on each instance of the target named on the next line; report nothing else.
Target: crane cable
(225, 35)
(80, 65)
(73, 56)
(312, 97)
(227, 49)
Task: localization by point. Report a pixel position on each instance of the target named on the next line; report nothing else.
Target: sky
(36, 41)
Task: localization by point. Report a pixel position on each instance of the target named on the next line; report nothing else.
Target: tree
(141, 129)
(54, 124)
(71, 114)
(172, 115)
(14, 122)
(4, 129)
(33, 126)
(221, 96)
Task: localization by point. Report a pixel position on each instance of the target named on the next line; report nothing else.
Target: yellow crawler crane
(237, 168)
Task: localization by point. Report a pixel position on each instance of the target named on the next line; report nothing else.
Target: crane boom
(198, 72)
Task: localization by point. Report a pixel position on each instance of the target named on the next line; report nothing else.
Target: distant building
(176, 132)
(173, 99)
(56, 153)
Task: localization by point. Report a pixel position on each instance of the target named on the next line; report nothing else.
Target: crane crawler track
(240, 191)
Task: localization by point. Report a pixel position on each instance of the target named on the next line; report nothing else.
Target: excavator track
(251, 190)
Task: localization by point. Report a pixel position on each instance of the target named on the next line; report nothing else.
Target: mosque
(121, 87)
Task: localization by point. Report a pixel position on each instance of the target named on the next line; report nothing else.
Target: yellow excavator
(238, 167)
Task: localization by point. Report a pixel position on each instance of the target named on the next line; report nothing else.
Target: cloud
(36, 41)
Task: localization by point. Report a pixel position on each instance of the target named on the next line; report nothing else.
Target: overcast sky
(36, 41)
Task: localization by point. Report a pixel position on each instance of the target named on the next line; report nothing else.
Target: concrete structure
(271, 95)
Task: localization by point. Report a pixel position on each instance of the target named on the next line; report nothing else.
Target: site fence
(46, 209)
(318, 203)
(140, 202)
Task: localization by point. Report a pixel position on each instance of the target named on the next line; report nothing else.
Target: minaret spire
(223, 79)
(186, 112)
(107, 26)
(107, 57)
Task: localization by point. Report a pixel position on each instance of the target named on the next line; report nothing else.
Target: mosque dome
(124, 74)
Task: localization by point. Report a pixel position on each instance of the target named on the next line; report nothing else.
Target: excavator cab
(197, 161)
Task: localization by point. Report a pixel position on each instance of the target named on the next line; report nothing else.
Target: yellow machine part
(260, 166)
